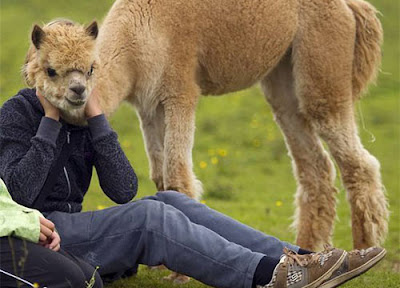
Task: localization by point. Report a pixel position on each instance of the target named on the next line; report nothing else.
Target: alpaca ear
(93, 29)
(37, 36)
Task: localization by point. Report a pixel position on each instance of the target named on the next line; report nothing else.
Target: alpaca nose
(78, 89)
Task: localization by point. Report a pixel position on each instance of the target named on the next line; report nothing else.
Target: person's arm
(26, 154)
(25, 223)
(16, 220)
(116, 175)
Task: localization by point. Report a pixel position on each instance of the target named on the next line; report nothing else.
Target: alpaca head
(60, 64)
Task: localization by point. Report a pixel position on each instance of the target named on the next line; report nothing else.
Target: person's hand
(92, 108)
(48, 237)
(49, 110)
(54, 242)
(46, 229)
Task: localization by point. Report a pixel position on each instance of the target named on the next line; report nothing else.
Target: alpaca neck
(112, 88)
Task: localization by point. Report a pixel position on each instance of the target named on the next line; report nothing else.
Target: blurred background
(239, 152)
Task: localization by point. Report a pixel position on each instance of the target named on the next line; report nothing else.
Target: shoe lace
(302, 260)
(354, 252)
(361, 252)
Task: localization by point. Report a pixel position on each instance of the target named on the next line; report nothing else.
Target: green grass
(253, 182)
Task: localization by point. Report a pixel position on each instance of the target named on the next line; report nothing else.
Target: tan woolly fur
(68, 49)
(313, 59)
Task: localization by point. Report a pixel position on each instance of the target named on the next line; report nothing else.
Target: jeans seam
(90, 225)
(250, 276)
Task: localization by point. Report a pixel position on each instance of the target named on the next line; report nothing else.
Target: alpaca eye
(51, 72)
(90, 71)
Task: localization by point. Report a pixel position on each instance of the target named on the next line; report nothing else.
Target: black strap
(55, 170)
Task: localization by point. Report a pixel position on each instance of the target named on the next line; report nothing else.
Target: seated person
(30, 254)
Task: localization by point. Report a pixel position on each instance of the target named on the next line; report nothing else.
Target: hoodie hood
(30, 95)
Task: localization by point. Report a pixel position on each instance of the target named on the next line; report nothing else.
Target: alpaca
(60, 63)
(314, 60)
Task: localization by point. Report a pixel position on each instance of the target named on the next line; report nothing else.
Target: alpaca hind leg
(362, 179)
(323, 77)
(314, 171)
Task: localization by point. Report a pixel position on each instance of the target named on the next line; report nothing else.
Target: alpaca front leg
(178, 144)
(153, 129)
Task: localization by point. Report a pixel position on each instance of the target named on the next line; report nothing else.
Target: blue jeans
(171, 229)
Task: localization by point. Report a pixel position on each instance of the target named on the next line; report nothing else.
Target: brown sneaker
(295, 271)
(355, 263)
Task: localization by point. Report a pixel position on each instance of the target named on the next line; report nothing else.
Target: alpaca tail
(367, 50)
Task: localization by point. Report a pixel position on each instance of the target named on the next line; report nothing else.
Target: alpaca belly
(240, 47)
(224, 75)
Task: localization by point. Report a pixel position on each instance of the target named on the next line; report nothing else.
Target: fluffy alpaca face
(60, 64)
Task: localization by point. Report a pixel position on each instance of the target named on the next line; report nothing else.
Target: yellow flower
(203, 201)
(126, 144)
(278, 203)
(203, 164)
(214, 160)
(36, 285)
(100, 207)
(222, 152)
(254, 123)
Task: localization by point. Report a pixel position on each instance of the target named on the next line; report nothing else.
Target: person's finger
(49, 243)
(41, 243)
(55, 240)
(57, 248)
(41, 98)
(38, 94)
(54, 247)
(53, 243)
(94, 92)
(47, 223)
(46, 231)
(42, 237)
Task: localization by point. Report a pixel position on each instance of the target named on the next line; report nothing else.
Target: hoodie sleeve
(26, 152)
(116, 175)
(17, 220)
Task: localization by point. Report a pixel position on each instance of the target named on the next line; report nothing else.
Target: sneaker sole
(328, 273)
(356, 272)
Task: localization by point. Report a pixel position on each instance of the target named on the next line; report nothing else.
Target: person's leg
(25, 263)
(153, 233)
(91, 275)
(225, 226)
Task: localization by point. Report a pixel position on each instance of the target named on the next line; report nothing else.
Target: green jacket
(17, 220)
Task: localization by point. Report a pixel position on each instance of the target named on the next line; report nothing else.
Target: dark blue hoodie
(30, 142)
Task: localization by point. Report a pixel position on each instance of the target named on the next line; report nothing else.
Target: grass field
(239, 152)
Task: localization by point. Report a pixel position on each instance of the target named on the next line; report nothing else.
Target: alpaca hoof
(177, 278)
(181, 279)
(159, 185)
